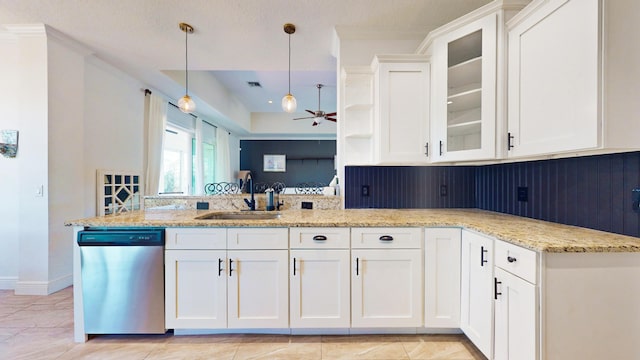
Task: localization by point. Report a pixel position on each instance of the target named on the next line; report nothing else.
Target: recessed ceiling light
(270, 101)
(449, 102)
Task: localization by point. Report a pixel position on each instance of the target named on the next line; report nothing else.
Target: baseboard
(43, 287)
(8, 282)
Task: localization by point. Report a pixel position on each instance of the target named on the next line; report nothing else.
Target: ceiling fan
(319, 115)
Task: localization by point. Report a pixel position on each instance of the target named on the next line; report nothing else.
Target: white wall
(74, 116)
(33, 161)
(9, 168)
(113, 125)
(65, 153)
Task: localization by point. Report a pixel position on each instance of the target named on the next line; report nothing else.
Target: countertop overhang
(533, 234)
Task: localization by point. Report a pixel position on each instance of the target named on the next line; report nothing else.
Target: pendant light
(289, 103)
(186, 104)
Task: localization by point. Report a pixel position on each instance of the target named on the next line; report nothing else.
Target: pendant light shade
(289, 103)
(186, 104)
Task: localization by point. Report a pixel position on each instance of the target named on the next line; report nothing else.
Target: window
(177, 168)
(179, 172)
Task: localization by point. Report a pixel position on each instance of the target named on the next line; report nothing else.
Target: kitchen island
(547, 287)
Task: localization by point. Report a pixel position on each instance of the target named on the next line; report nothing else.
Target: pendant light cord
(186, 59)
(289, 63)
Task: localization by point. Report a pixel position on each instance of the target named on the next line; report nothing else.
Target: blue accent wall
(593, 192)
(405, 187)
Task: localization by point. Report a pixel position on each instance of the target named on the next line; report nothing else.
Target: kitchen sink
(239, 215)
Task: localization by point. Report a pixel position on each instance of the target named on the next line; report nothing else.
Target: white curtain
(199, 165)
(223, 164)
(157, 122)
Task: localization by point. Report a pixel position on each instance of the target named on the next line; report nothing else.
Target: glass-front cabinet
(464, 92)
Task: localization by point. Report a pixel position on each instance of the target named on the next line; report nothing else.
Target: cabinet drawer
(386, 238)
(195, 238)
(258, 238)
(517, 260)
(319, 238)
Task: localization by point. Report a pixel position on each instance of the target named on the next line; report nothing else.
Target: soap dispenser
(270, 203)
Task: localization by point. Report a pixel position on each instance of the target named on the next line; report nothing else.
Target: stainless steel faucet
(248, 180)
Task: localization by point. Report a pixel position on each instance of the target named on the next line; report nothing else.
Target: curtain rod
(148, 92)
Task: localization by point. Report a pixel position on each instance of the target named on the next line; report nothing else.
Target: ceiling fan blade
(311, 112)
(331, 114)
(302, 118)
(332, 119)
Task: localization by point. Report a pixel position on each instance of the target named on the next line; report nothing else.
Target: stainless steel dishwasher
(122, 280)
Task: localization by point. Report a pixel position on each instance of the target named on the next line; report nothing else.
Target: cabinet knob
(511, 259)
(319, 238)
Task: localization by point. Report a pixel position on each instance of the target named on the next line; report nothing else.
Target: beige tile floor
(41, 327)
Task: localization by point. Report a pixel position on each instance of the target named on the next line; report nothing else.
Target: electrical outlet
(365, 190)
(307, 205)
(443, 190)
(523, 193)
(202, 205)
(636, 200)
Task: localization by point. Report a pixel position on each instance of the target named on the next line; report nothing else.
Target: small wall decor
(118, 191)
(9, 143)
(275, 163)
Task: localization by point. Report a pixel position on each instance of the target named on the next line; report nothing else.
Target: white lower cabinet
(258, 292)
(386, 281)
(442, 277)
(319, 289)
(476, 298)
(515, 318)
(319, 278)
(218, 278)
(198, 284)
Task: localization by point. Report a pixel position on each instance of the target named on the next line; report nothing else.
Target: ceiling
(235, 40)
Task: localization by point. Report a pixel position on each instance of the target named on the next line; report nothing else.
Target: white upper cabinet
(401, 116)
(572, 75)
(463, 100)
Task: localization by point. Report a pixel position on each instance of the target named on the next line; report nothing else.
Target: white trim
(42, 287)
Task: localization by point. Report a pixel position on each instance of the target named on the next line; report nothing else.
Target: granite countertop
(532, 234)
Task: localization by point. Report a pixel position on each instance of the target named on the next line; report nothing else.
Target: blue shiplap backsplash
(593, 191)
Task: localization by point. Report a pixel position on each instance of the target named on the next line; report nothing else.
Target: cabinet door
(476, 294)
(195, 289)
(442, 278)
(386, 288)
(258, 289)
(515, 318)
(402, 113)
(319, 288)
(463, 102)
(553, 99)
